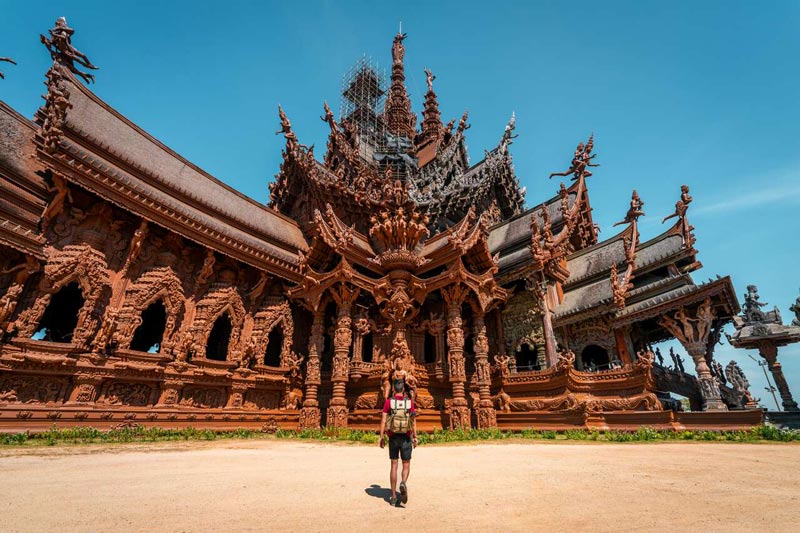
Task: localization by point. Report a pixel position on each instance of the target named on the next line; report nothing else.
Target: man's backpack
(400, 415)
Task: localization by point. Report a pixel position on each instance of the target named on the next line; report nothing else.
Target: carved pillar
(309, 415)
(86, 388)
(337, 412)
(709, 385)
(542, 288)
(769, 351)
(459, 411)
(170, 393)
(487, 418)
(693, 332)
(236, 396)
(622, 347)
(342, 339)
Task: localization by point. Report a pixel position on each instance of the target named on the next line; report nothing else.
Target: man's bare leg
(393, 475)
(406, 470)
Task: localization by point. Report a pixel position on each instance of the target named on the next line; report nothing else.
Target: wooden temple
(135, 288)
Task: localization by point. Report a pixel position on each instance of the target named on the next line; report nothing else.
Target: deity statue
(581, 161)
(752, 306)
(635, 210)
(61, 194)
(795, 308)
(429, 77)
(681, 206)
(59, 44)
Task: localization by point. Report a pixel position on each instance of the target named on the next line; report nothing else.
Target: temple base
(337, 416)
(487, 417)
(309, 418)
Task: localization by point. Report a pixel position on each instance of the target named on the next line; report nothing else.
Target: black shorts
(400, 447)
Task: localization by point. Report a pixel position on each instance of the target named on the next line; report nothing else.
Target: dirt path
(291, 486)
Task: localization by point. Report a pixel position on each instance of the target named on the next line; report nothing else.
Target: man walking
(399, 421)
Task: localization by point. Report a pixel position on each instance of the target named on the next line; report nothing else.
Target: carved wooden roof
(107, 154)
(23, 192)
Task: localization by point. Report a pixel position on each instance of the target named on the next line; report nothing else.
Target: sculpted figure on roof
(581, 161)
(61, 50)
(635, 210)
(6, 60)
(682, 205)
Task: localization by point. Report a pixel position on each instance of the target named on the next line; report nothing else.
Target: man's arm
(383, 427)
(414, 430)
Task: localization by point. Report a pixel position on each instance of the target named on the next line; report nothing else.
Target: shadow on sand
(377, 491)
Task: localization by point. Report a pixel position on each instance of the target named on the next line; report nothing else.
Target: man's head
(399, 386)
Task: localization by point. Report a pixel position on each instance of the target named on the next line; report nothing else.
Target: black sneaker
(403, 492)
(393, 501)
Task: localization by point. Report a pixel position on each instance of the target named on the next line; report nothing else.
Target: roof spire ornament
(63, 53)
(635, 210)
(6, 60)
(399, 119)
(581, 161)
(431, 118)
(508, 135)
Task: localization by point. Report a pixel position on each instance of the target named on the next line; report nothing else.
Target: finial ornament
(59, 44)
(681, 206)
(635, 210)
(429, 77)
(6, 60)
(581, 161)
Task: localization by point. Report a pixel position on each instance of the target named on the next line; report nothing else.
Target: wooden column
(310, 415)
(460, 416)
(342, 339)
(769, 351)
(487, 418)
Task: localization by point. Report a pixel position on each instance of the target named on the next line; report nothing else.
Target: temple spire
(431, 118)
(397, 114)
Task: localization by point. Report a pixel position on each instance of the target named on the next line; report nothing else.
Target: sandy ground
(298, 486)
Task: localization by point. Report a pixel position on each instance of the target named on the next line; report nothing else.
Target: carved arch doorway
(60, 318)
(150, 333)
(594, 357)
(219, 338)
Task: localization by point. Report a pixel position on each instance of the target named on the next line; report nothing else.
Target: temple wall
(112, 268)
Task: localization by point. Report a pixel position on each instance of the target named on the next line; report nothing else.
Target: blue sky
(702, 93)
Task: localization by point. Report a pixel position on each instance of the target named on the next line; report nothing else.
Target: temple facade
(135, 288)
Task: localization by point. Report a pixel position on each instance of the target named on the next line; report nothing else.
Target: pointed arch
(79, 264)
(161, 283)
(274, 313)
(218, 301)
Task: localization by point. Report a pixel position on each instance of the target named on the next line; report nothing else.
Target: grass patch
(89, 435)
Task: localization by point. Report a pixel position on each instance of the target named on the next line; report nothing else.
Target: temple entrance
(430, 348)
(526, 358)
(367, 347)
(150, 333)
(274, 347)
(61, 316)
(219, 338)
(594, 357)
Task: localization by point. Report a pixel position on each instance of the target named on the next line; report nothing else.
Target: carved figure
(207, 270)
(681, 206)
(501, 365)
(56, 205)
(62, 52)
(136, 243)
(752, 306)
(635, 210)
(581, 161)
(429, 77)
(795, 308)
(6, 60)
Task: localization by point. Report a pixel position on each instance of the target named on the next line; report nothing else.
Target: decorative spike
(397, 112)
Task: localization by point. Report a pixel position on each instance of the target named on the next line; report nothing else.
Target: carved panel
(122, 393)
(262, 399)
(204, 397)
(16, 388)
